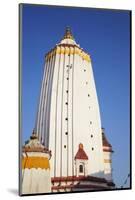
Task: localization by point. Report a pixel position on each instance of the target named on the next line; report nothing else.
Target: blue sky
(105, 34)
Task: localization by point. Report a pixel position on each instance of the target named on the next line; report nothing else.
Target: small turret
(35, 167)
(81, 161)
(107, 156)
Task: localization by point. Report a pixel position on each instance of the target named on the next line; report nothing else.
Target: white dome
(68, 41)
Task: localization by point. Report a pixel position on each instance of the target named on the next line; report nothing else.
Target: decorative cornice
(68, 49)
(34, 145)
(85, 185)
(79, 178)
(36, 149)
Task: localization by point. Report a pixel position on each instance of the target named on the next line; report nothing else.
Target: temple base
(81, 183)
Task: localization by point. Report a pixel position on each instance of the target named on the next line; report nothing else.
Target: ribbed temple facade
(68, 114)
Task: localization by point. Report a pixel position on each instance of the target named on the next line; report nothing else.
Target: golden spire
(68, 34)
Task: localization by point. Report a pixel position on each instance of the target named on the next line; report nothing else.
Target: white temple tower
(68, 114)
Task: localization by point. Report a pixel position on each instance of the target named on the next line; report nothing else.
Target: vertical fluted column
(42, 130)
(68, 131)
(58, 119)
(75, 100)
(53, 112)
(44, 102)
(64, 116)
(37, 126)
(70, 114)
(49, 95)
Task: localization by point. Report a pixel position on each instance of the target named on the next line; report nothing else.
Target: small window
(92, 148)
(67, 78)
(66, 103)
(66, 133)
(64, 146)
(81, 168)
(90, 122)
(84, 70)
(91, 136)
(66, 118)
(66, 91)
(88, 95)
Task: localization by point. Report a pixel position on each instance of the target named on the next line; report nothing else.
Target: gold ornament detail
(67, 50)
(35, 162)
(70, 50)
(58, 50)
(62, 50)
(68, 34)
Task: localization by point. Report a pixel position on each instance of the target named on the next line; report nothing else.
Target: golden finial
(80, 146)
(33, 136)
(68, 34)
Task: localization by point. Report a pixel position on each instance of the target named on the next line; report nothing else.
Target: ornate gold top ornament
(68, 34)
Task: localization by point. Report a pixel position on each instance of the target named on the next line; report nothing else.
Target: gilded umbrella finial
(68, 34)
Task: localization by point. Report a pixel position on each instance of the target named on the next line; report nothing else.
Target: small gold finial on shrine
(80, 146)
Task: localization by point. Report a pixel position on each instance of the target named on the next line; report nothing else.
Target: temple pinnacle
(68, 33)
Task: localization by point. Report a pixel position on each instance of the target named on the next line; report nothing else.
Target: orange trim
(67, 50)
(35, 162)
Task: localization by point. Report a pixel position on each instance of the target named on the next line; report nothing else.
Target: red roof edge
(104, 139)
(81, 153)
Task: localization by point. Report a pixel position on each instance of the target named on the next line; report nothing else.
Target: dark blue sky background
(105, 34)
